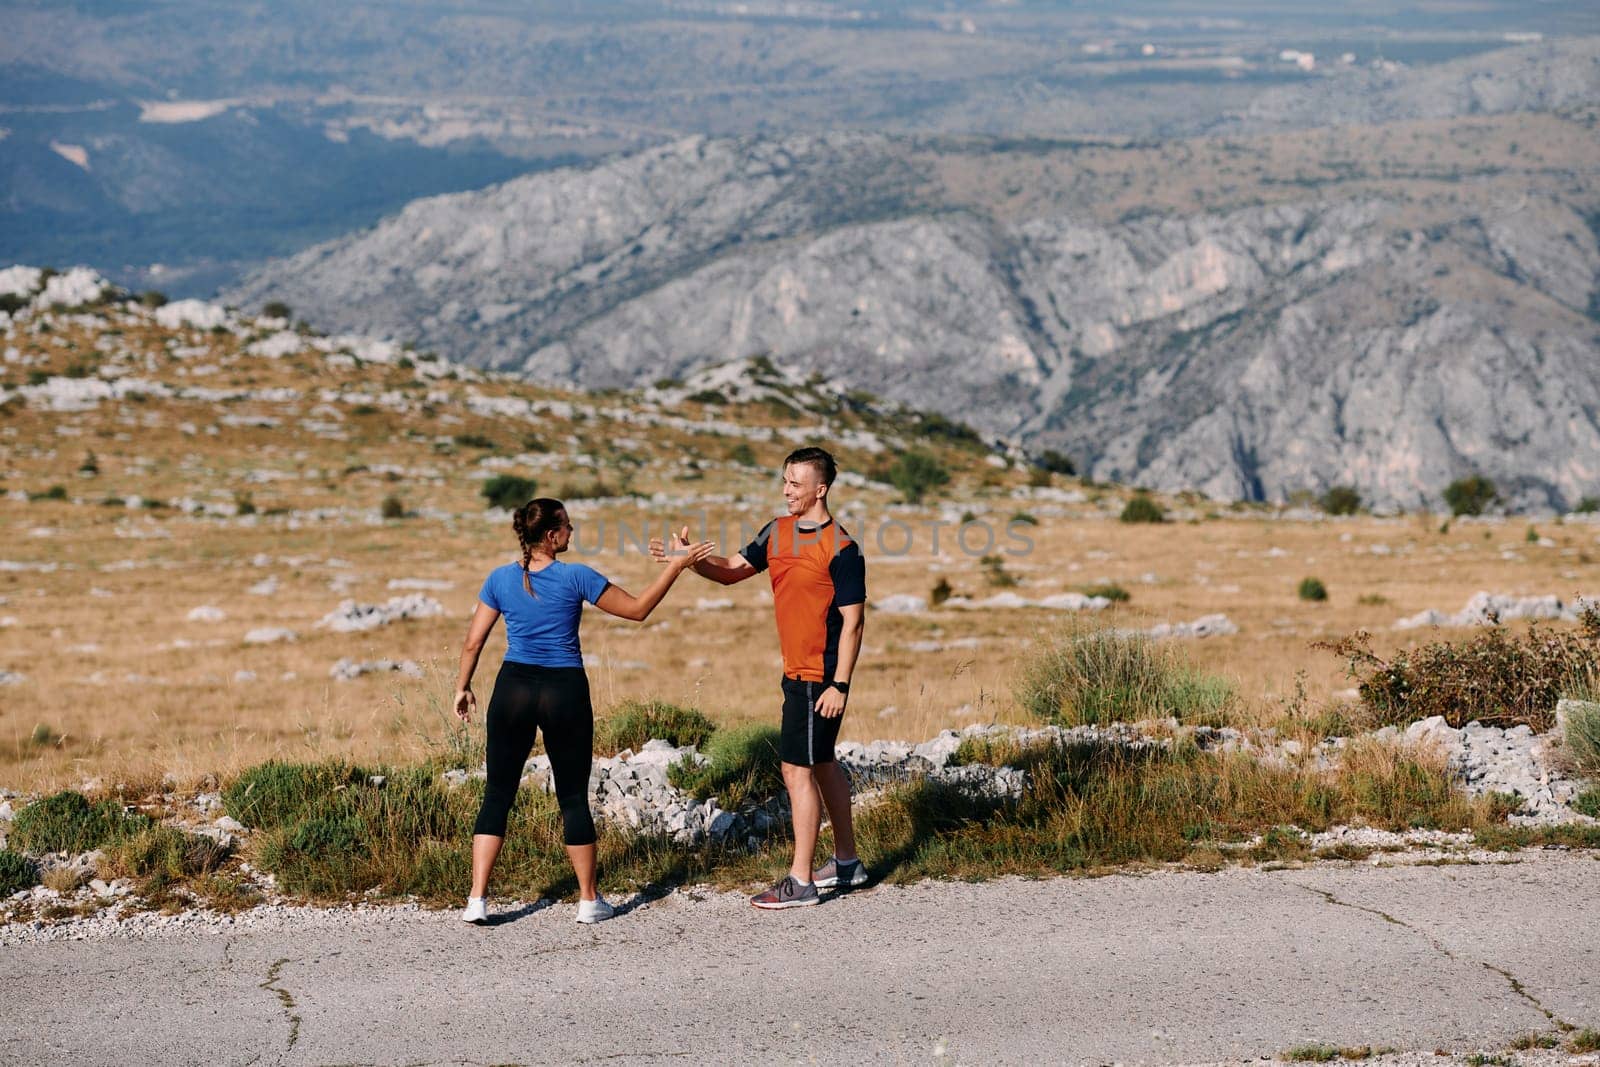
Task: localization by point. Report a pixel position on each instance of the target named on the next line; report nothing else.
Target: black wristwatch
(843, 687)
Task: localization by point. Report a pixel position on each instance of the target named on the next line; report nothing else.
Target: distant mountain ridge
(1391, 320)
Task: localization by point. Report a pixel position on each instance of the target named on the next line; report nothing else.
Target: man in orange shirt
(819, 590)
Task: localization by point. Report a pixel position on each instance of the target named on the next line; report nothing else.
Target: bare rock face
(1249, 353)
(1540, 77)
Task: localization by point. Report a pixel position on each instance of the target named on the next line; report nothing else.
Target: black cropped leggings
(553, 699)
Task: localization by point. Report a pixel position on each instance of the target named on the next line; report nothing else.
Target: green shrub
(1497, 677)
(1470, 495)
(70, 822)
(17, 872)
(1532, 536)
(11, 303)
(1585, 1040)
(276, 309)
(1055, 462)
(1039, 478)
(1341, 500)
(475, 440)
(508, 491)
(1588, 803)
(742, 454)
(636, 721)
(916, 474)
(1311, 1054)
(55, 492)
(1587, 506)
(1582, 736)
(940, 592)
(743, 766)
(393, 508)
(1090, 673)
(1110, 590)
(274, 793)
(1141, 508)
(165, 852)
(1023, 518)
(995, 572)
(1312, 589)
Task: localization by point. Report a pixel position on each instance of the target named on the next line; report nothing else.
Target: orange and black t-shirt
(816, 570)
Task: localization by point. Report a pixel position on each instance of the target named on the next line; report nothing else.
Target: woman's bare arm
(624, 605)
(483, 620)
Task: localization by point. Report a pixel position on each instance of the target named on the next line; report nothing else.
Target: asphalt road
(1163, 968)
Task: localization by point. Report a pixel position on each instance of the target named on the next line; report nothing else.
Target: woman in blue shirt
(542, 686)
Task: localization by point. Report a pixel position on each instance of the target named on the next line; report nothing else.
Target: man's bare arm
(725, 570)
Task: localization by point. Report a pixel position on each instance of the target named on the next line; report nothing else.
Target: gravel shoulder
(1159, 968)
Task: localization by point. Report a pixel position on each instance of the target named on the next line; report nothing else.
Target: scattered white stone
(267, 635)
(1217, 625)
(244, 676)
(283, 343)
(1482, 608)
(900, 604)
(12, 677)
(266, 587)
(206, 613)
(195, 313)
(80, 285)
(350, 617)
(713, 604)
(348, 670)
(19, 280)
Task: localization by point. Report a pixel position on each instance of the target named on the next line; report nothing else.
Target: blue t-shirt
(542, 629)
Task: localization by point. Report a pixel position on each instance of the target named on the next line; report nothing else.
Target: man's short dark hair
(818, 458)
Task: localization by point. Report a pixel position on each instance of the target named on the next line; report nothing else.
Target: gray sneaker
(840, 874)
(787, 893)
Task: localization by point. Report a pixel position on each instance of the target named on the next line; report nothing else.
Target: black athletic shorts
(807, 737)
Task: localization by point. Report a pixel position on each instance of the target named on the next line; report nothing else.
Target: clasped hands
(680, 552)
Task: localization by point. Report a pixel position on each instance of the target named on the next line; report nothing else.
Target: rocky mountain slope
(1390, 320)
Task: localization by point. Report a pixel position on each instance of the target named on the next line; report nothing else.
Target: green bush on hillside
(70, 822)
(1140, 508)
(1498, 677)
(1089, 673)
(508, 491)
(636, 721)
(1470, 495)
(17, 872)
(743, 765)
(916, 474)
(1341, 500)
(274, 793)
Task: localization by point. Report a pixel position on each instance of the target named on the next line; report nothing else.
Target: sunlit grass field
(272, 475)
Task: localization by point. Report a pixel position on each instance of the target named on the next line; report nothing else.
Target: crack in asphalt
(285, 999)
(1511, 980)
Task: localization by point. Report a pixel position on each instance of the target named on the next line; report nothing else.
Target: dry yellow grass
(120, 684)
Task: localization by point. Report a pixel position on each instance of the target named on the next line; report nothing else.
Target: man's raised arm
(724, 570)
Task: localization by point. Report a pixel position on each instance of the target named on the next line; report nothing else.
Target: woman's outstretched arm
(483, 621)
(624, 605)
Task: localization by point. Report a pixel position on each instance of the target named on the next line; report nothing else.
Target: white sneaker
(595, 911)
(475, 912)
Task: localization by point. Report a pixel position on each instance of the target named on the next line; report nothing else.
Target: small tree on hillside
(1470, 495)
(1341, 500)
(916, 474)
(508, 491)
